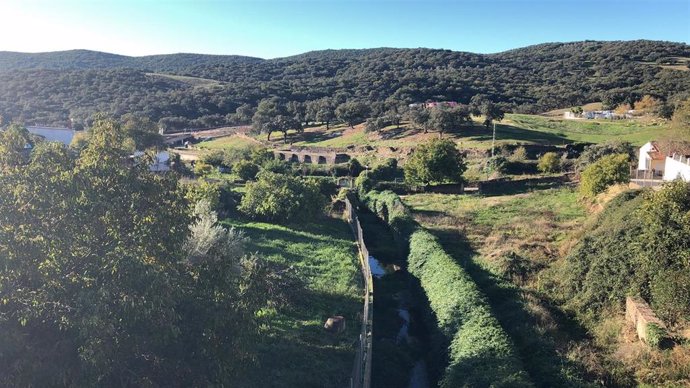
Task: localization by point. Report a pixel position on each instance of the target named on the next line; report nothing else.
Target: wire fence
(361, 370)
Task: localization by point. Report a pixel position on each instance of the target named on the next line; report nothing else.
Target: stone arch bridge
(311, 156)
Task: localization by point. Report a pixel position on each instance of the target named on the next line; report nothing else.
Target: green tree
(437, 161)
(142, 131)
(265, 118)
(15, 142)
(549, 162)
(608, 170)
(481, 105)
(100, 285)
(278, 197)
(352, 112)
(420, 117)
(245, 170)
(444, 119)
(325, 112)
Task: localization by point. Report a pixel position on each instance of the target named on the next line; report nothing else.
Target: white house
(161, 161)
(62, 135)
(666, 160)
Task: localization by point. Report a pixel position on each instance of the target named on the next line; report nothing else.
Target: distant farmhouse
(62, 135)
(665, 161)
(597, 114)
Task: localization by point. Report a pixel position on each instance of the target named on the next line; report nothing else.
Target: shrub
(549, 162)
(355, 167)
(214, 158)
(202, 190)
(518, 155)
(245, 170)
(498, 165)
(594, 152)
(437, 161)
(386, 171)
(278, 197)
(655, 335)
(202, 169)
(375, 124)
(608, 170)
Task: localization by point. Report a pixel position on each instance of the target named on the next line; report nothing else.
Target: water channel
(400, 337)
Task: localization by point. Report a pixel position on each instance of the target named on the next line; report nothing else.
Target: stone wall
(638, 312)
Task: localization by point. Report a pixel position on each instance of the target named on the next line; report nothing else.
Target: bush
(386, 171)
(355, 167)
(245, 170)
(202, 169)
(549, 162)
(437, 161)
(655, 335)
(518, 155)
(278, 197)
(594, 152)
(214, 158)
(608, 170)
(496, 165)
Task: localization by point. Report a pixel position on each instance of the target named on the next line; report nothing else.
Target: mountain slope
(51, 87)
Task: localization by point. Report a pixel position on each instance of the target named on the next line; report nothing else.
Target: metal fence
(361, 370)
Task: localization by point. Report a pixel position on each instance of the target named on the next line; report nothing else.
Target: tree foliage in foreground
(437, 161)
(103, 283)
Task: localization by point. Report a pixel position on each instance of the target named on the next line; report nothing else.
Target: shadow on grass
(316, 137)
(509, 132)
(521, 186)
(539, 352)
(294, 350)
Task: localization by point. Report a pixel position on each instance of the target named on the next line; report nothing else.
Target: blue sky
(271, 29)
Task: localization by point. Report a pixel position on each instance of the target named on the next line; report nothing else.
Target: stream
(405, 319)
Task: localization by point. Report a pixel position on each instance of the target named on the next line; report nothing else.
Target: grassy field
(515, 128)
(592, 131)
(295, 350)
(234, 141)
(505, 242)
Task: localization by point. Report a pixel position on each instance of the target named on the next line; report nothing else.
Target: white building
(62, 135)
(161, 161)
(667, 160)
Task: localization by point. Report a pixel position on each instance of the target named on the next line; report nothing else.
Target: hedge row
(480, 353)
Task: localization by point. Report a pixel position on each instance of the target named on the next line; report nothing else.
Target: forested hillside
(51, 88)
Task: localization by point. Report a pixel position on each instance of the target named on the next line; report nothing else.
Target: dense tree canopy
(52, 88)
(107, 279)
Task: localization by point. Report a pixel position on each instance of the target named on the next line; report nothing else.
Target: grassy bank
(295, 350)
(478, 350)
(504, 242)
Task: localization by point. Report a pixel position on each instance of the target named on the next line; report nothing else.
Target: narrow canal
(401, 339)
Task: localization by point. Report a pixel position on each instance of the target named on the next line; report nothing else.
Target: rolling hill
(52, 88)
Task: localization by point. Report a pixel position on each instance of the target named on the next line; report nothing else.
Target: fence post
(361, 371)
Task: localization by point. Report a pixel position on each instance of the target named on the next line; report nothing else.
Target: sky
(270, 29)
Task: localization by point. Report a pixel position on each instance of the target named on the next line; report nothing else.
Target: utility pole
(493, 140)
